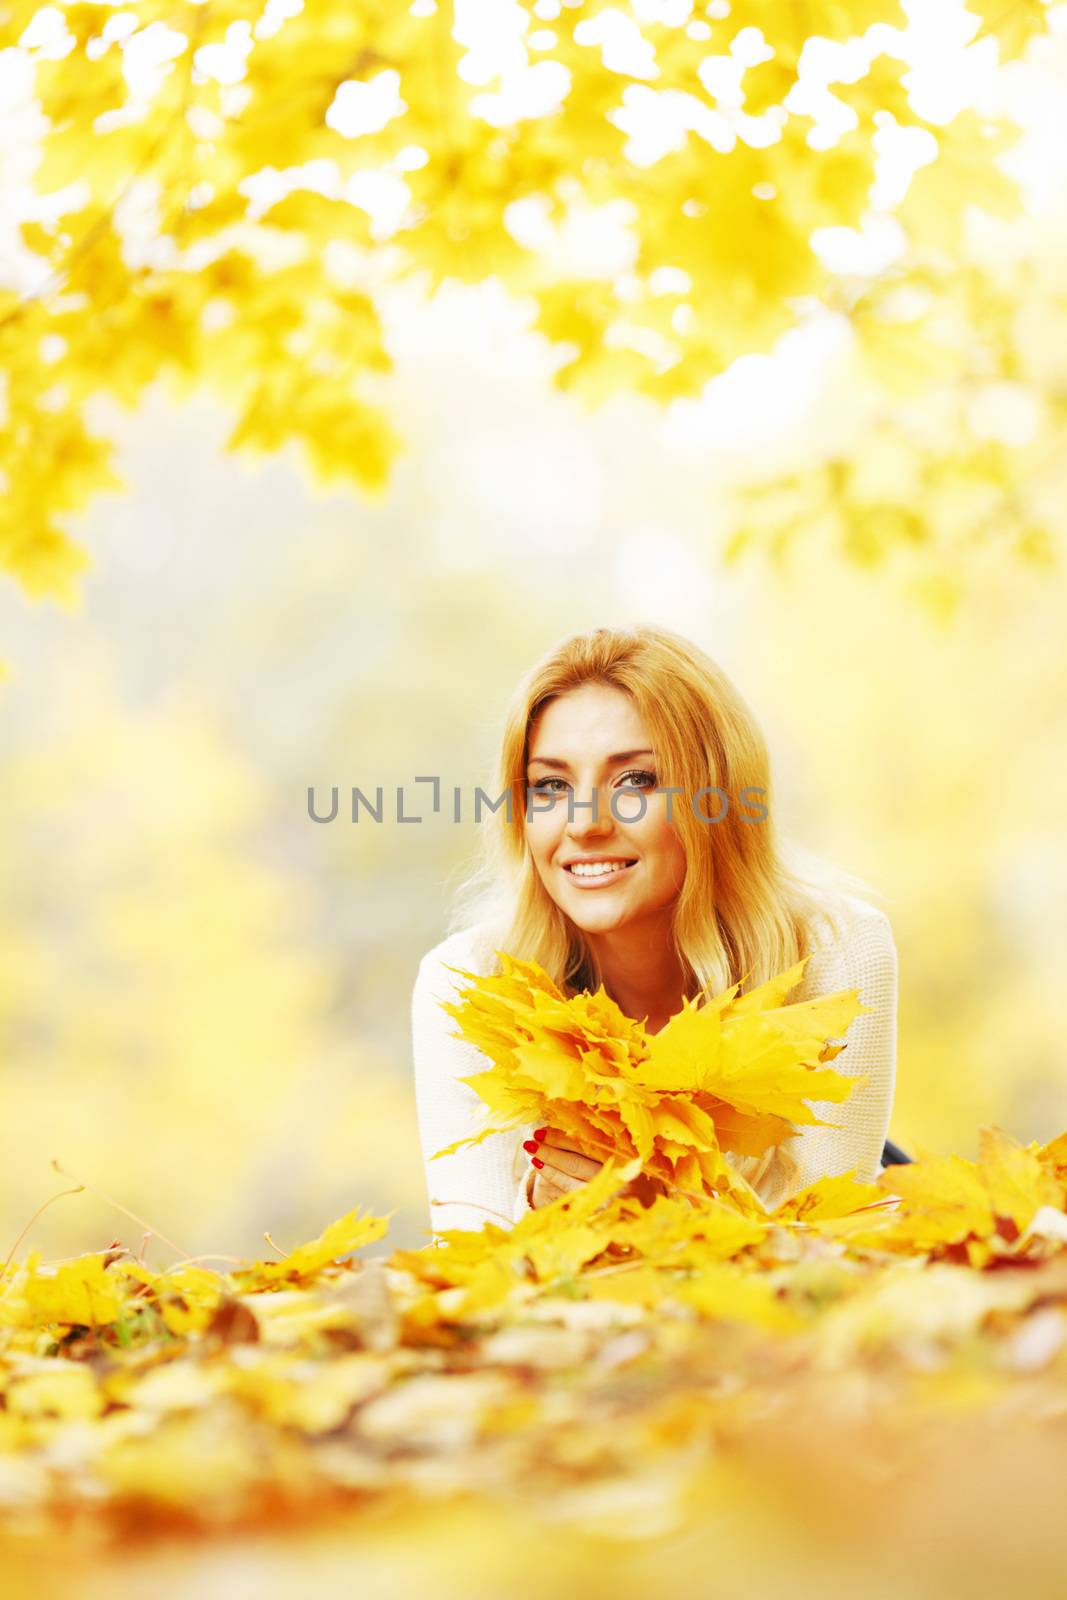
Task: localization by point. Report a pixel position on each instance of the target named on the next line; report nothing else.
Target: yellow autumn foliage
(223, 194)
(726, 1073)
(645, 1342)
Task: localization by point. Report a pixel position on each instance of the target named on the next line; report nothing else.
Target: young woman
(642, 853)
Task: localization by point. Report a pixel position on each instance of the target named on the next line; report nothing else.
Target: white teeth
(597, 869)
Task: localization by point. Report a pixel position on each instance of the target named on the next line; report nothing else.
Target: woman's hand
(561, 1166)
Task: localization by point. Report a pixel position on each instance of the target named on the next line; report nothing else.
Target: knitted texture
(489, 1182)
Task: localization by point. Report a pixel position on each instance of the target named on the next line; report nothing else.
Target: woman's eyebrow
(620, 755)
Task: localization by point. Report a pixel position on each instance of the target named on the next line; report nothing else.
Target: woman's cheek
(540, 843)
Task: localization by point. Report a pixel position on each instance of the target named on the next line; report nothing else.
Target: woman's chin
(598, 916)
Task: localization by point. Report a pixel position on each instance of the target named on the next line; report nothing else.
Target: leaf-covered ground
(846, 1396)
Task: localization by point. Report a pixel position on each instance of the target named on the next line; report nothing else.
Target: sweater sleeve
(865, 960)
(485, 1182)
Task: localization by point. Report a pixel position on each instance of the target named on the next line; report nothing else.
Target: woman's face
(592, 740)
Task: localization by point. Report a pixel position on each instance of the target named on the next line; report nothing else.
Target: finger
(571, 1162)
(544, 1192)
(561, 1181)
(559, 1141)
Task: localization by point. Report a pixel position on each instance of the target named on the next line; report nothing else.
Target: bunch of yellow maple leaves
(625, 1372)
(727, 1073)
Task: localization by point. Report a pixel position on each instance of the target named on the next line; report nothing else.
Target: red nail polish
(528, 1144)
(539, 1133)
(536, 1162)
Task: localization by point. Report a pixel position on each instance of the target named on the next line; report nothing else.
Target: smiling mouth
(590, 872)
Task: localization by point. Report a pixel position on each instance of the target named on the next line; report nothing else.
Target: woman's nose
(590, 811)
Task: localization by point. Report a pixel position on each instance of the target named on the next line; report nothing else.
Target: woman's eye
(543, 786)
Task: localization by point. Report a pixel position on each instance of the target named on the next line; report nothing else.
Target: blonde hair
(751, 898)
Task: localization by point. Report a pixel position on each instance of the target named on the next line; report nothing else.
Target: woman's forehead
(596, 721)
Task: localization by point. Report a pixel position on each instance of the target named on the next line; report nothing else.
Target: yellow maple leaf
(1012, 25)
(348, 1233)
(838, 1196)
(77, 1292)
(972, 1210)
(728, 1294)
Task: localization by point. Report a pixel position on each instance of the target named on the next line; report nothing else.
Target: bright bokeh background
(205, 997)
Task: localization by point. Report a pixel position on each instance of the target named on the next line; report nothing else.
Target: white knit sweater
(488, 1182)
